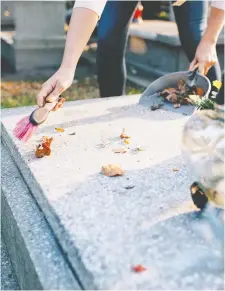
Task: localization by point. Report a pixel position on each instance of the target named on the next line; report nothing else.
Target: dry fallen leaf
(59, 129)
(175, 169)
(120, 151)
(129, 187)
(199, 91)
(112, 170)
(168, 91)
(44, 148)
(126, 141)
(123, 134)
(44, 138)
(139, 268)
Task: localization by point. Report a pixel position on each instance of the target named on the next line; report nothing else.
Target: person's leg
(191, 19)
(112, 37)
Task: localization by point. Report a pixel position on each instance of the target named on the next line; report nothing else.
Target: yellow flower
(217, 84)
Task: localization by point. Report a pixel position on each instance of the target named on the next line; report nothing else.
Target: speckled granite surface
(103, 227)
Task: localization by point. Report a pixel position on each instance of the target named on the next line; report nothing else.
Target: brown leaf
(199, 91)
(172, 97)
(112, 170)
(120, 151)
(44, 138)
(123, 134)
(139, 268)
(44, 148)
(40, 152)
(168, 91)
(186, 100)
(175, 169)
(59, 129)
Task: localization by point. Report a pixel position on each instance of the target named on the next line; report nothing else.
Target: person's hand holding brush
(82, 24)
(53, 87)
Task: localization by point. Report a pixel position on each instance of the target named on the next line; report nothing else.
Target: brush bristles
(24, 129)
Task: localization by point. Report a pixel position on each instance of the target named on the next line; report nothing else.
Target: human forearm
(82, 24)
(215, 25)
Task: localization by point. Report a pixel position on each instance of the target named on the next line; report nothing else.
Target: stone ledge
(36, 257)
(21, 43)
(158, 30)
(103, 227)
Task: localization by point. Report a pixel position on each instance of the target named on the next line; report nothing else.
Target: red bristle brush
(27, 126)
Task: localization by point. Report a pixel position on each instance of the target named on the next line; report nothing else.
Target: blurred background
(32, 41)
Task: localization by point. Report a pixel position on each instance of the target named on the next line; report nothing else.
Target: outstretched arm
(83, 21)
(206, 56)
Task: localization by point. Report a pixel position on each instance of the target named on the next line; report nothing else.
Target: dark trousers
(191, 19)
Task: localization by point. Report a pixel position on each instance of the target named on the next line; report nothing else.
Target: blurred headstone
(40, 35)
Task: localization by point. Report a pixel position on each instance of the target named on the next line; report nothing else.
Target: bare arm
(215, 25)
(206, 55)
(82, 24)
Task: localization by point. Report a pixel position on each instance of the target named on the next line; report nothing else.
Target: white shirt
(98, 5)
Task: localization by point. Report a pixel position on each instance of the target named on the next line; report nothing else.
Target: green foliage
(23, 93)
(204, 104)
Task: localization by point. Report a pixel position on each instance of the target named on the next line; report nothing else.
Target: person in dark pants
(191, 19)
(198, 38)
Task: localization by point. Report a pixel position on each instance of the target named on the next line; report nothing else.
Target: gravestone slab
(107, 225)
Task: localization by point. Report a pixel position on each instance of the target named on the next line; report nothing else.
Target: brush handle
(49, 106)
(39, 115)
(192, 74)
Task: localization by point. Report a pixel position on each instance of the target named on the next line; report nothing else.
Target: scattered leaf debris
(129, 187)
(44, 138)
(73, 133)
(44, 148)
(156, 106)
(126, 141)
(112, 170)
(124, 135)
(175, 169)
(180, 95)
(199, 91)
(59, 129)
(120, 151)
(138, 149)
(138, 269)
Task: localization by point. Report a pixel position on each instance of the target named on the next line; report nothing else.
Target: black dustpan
(151, 97)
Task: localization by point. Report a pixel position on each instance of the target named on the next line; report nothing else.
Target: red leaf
(139, 268)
